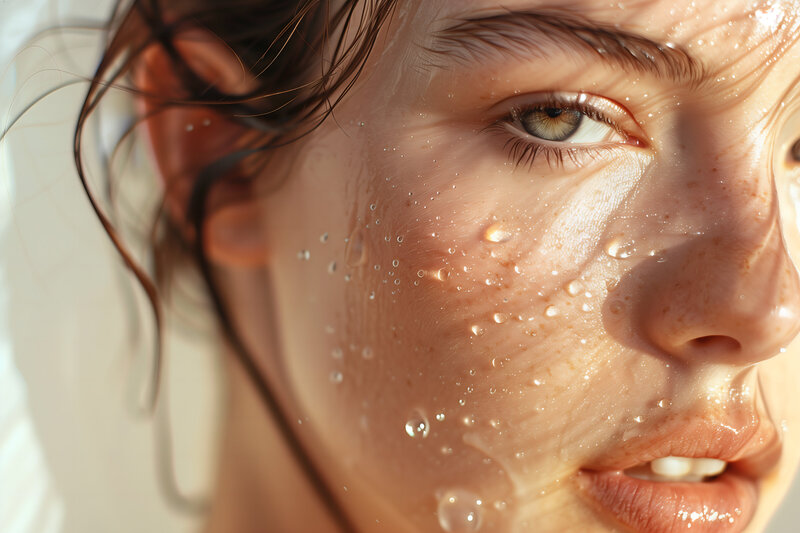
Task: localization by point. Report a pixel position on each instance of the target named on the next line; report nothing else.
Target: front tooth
(707, 467)
(671, 466)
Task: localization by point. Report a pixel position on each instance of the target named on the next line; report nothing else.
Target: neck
(259, 485)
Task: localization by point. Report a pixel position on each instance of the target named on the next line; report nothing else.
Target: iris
(551, 123)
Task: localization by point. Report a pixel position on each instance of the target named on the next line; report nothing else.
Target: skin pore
(464, 317)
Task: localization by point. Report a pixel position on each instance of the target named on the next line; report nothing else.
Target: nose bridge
(727, 292)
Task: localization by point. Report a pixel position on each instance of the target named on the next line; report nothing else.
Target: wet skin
(459, 316)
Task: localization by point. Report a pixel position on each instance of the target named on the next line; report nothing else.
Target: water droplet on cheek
(551, 311)
(336, 377)
(304, 255)
(417, 425)
(499, 318)
(442, 274)
(496, 233)
(460, 511)
(573, 287)
(476, 330)
(619, 248)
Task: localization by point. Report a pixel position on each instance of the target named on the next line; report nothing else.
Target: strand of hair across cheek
(296, 104)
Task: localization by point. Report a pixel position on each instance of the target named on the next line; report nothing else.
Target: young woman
(486, 266)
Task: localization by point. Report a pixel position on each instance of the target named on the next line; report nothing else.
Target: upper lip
(750, 441)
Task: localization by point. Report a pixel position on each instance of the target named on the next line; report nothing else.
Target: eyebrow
(532, 34)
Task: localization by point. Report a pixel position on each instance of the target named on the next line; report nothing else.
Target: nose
(729, 294)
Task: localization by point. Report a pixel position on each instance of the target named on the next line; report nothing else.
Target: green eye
(551, 123)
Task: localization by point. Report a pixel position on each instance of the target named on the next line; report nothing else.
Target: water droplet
(440, 416)
(356, 251)
(619, 248)
(664, 403)
(500, 317)
(442, 274)
(399, 238)
(446, 450)
(500, 362)
(468, 420)
(500, 505)
(373, 207)
(304, 255)
(574, 287)
(190, 127)
(332, 267)
(538, 382)
(460, 511)
(586, 307)
(377, 267)
(417, 425)
(323, 237)
(551, 311)
(497, 233)
(372, 295)
(336, 377)
(495, 422)
(476, 330)
(638, 419)
(451, 251)
(367, 353)
(420, 273)
(337, 353)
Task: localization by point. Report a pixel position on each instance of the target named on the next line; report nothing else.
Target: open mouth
(697, 474)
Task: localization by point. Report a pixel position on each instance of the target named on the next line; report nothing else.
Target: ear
(185, 140)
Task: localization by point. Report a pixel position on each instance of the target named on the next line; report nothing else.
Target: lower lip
(724, 504)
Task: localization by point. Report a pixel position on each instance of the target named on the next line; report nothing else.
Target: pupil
(553, 112)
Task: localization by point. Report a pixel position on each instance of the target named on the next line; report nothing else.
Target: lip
(748, 443)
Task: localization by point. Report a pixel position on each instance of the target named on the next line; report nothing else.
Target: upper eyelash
(590, 111)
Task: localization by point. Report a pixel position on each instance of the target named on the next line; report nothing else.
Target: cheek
(450, 313)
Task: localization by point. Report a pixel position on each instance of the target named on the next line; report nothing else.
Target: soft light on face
(501, 266)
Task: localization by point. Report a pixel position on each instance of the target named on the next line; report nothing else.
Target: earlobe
(186, 139)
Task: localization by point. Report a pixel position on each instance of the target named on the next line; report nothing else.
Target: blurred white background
(72, 310)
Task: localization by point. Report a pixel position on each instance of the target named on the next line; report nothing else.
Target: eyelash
(522, 151)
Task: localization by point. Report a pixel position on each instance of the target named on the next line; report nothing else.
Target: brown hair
(304, 56)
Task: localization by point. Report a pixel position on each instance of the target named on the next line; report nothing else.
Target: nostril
(716, 343)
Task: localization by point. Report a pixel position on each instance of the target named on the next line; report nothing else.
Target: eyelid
(595, 107)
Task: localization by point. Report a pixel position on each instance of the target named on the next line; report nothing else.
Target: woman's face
(542, 247)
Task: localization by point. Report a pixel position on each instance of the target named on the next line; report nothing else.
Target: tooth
(671, 466)
(707, 467)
